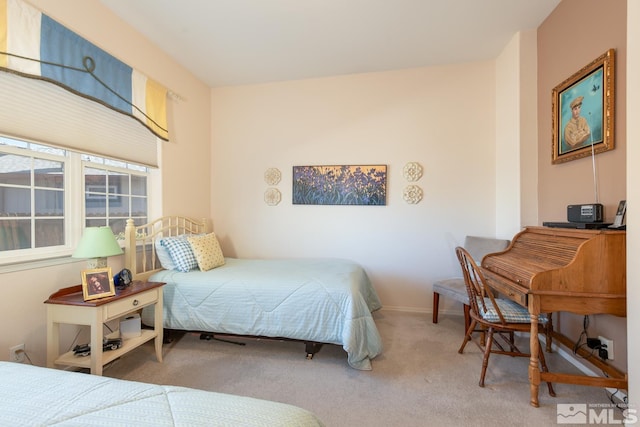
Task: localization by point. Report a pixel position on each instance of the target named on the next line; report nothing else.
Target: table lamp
(96, 244)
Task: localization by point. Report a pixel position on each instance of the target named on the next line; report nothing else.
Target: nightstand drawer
(118, 308)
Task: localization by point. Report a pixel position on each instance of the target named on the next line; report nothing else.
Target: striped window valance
(36, 46)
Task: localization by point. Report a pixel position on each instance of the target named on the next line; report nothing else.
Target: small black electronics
(577, 225)
(122, 279)
(83, 350)
(585, 213)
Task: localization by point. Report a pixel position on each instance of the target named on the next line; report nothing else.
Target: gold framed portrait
(97, 283)
(583, 111)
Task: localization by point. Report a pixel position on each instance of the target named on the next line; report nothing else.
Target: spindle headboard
(140, 250)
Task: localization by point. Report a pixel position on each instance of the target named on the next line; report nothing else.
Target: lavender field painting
(340, 185)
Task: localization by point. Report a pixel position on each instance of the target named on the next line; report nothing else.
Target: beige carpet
(419, 380)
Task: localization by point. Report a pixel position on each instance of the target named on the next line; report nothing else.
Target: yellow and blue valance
(34, 45)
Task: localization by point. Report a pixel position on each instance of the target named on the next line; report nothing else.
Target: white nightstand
(68, 306)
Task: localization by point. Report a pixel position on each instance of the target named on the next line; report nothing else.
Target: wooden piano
(573, 270)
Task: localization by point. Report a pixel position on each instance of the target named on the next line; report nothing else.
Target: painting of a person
(98, 284)
(577, 130)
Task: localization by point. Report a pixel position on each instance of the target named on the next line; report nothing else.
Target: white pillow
(163, 255)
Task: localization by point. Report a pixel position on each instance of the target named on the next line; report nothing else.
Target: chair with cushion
(495, 318)
(455, 288)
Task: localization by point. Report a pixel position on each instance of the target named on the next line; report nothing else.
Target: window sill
(43, 263)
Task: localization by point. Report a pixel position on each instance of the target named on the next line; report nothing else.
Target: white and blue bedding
(35, 396)
(319, 300)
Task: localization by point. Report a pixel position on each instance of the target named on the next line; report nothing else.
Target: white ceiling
(235, 42)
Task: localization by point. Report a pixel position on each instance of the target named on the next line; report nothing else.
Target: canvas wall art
(340, 185)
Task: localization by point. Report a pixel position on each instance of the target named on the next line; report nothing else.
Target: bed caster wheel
(206, 337)
(309, 356)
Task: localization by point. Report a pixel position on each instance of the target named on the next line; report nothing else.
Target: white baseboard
(408, 309)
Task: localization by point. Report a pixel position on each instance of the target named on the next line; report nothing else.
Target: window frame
(126, 168)
(74, 199)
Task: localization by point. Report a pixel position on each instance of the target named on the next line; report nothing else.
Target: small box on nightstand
(130, 326)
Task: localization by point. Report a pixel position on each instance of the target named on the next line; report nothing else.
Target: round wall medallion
(272, 176)
(412, 171)
(412, 194)
(272, 196)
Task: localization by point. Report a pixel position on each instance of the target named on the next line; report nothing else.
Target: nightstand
(68, 306)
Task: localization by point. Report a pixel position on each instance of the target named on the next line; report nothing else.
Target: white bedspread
(321, 300)
(34, 396)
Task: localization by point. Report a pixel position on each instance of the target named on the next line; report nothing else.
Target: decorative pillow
(207, 251)
(163, 254)
(181, 253)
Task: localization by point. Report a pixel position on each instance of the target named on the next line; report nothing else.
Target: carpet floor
(420, 379)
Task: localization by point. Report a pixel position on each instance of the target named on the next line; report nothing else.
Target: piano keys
(573, 270)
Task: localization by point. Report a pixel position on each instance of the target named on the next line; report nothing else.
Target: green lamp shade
(97, 242)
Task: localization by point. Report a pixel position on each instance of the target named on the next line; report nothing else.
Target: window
(48, 195)
(113, 192)
(32, 195)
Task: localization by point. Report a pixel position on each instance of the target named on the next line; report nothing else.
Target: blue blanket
(321, 300)
(34, 396)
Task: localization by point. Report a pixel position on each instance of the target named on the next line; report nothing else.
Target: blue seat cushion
(511, 311)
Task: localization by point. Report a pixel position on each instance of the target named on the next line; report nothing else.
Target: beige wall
(185, 166)
(516, 136)
(577, 32)
(441, 117)
(633, 199)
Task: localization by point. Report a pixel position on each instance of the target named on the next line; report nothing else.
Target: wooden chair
(454, 288)
(495, 318)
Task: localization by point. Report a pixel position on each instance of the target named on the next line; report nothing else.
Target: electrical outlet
(609, 346)
(16, 353)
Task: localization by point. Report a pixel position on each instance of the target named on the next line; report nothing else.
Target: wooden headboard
(139, 248)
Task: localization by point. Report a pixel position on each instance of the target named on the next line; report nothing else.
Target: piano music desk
(573, 270)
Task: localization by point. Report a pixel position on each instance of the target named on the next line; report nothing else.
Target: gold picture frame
(97, 283)
(583, 115)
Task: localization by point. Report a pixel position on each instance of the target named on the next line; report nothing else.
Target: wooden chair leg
(487, 353)
(543, 364)
(467, 317)
(549, 332)
(436, 301)
(467, 336)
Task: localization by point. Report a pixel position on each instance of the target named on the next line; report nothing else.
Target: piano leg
(534, 343)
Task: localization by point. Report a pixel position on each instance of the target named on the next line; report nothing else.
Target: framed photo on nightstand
(97, 283)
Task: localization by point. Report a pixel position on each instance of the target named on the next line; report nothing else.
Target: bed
(36, 396)
(315, 301)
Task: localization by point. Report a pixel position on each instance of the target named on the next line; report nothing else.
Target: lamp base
(97, 263)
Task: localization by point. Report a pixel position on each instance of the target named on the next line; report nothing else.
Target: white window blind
(42, 111)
